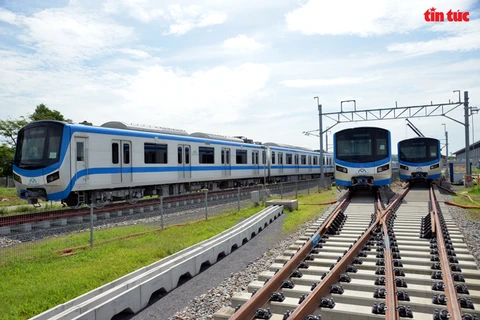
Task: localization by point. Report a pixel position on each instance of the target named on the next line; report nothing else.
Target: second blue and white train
(419, 159)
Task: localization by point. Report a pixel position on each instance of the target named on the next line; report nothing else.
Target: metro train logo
(32, 182)
(362, 170)
(419, 169)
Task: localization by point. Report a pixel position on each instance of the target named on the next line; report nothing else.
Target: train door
(226, 166)
(255, 162)
(185, 170)
(127, 174)
(116, 164)
(309, 163)
(280, 162)
(297, 165)
(81, 173)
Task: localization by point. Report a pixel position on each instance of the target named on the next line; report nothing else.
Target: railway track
(367, 261)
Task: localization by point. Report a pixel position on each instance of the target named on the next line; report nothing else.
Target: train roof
(146, 128)
(216, 137)
(281, 145)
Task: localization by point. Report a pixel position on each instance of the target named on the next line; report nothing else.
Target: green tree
(9, 129)
(42, 112)
(6, 158)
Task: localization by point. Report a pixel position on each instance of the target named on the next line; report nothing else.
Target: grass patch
(8, 197)
(307, 212)
(473, 214)
(29, 287)
(474, 190)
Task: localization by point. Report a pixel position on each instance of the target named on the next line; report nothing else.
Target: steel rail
(262, 296)
(453, 305)
(310, 303)
(391, 301)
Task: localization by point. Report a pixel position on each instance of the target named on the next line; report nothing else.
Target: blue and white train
(362, 157)
(75, 163)
(419, 159)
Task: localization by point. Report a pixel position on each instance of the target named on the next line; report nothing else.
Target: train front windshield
(362, 145)
(419, 150)
(38, 145)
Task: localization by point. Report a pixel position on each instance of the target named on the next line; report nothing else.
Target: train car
(79, 163)
(296, 162)
(362, 157)
(419, 159)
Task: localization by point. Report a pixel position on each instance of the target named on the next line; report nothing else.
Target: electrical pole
(467, 133)
(322, 165)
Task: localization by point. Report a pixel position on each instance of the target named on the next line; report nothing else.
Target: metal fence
(56, 232)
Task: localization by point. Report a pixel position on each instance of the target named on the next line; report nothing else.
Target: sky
(240, 68)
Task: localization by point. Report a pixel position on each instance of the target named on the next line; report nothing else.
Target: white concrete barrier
(133, 291)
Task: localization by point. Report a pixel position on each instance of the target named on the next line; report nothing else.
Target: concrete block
(140, 210)
(103, 215)
(60, 222)
(25, 227)
(291, 205)
(76, 219)
(117, 213)
(45, 224)
(87, 217)
(5, 230)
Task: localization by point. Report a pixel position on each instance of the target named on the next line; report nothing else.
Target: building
(474, 153)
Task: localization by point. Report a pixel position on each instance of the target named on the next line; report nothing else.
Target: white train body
(73, 163)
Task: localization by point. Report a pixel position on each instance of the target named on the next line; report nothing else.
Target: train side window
(155, 153)
(241, 156)
(296, 159)
(323, 161)
(126, 153)
(309, 160)
(228, 156)
(223, 156)
(206, 155)
(180, 160)
(289, 158)
(80, 151)
(114, 153)
(264, 157)
(280, 158)
(315, 161)
(273, 157)
(187, 155)
(303, 159)
(256, 157)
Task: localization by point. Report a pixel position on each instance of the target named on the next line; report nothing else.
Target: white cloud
(242, 42)
(185, 18)
(304, 83)
(66, 34)
(8, 16)
(180, 18)
(465, 37)
(377, 17)
(215, 94)
(143, 10)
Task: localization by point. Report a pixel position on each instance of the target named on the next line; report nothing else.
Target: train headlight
(17, 178)
(403, 167)
(341, 169)
(383, 168)
(434, 166)
(52, 177)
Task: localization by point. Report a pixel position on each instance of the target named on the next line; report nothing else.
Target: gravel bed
(469, 228)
